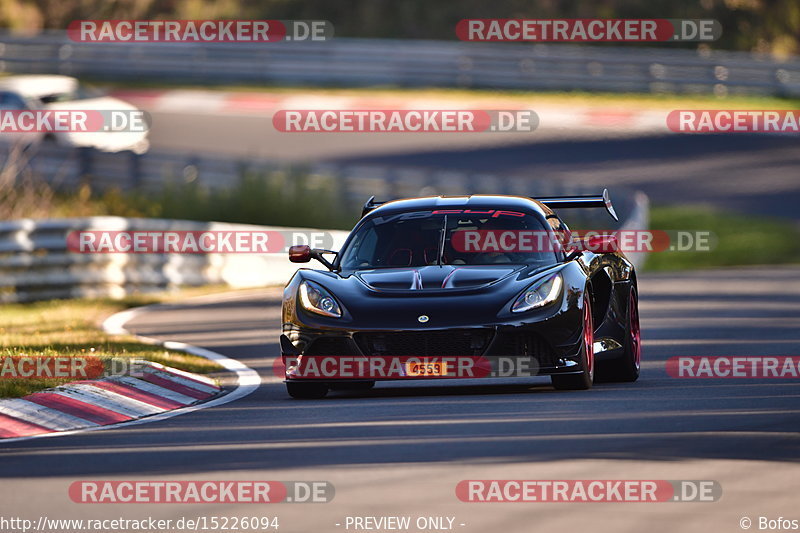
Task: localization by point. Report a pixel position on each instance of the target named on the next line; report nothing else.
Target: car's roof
(475, 201)
(37, 85)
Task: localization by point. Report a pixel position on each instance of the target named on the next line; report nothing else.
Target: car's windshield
(454, 237)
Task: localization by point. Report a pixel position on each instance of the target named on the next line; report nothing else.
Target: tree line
(766, 26)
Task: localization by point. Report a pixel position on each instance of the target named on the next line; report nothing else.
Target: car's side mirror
(300, 253)
(571, 251)
(303, 253)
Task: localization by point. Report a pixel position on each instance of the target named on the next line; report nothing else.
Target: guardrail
(37, 264)
(362, 62)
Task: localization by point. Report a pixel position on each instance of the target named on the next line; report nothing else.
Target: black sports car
(462, 287)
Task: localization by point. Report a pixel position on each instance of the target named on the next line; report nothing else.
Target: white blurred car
(63, 93)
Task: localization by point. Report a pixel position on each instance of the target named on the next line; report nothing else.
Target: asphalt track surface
(402, 448)
(751, 173)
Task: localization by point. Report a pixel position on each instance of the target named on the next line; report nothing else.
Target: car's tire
(585, 379)
(353, 385)
(306, 390)
(626, 368)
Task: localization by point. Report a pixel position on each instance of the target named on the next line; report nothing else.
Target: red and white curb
(157, 392)
(200, 102)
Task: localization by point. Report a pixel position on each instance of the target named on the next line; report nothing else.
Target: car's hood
(451, 295)
(435, 278)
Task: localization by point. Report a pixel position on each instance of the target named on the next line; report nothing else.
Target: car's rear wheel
(626, 368)
(306, 391)
(585, 379)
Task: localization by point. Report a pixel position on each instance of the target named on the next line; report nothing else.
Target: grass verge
(740, 239)
(72, 328)
(279, 198)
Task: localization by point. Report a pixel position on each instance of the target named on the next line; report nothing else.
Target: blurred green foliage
(280, 198)
(739, 239)
(768, 26)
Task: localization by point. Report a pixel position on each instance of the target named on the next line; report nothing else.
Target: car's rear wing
(553, 202)
(370, 205)
(590, 200)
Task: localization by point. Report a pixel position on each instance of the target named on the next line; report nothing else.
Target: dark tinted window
(416, 238)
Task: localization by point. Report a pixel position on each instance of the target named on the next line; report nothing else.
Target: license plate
(433, 368)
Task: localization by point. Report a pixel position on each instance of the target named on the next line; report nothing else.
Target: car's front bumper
(550, 346)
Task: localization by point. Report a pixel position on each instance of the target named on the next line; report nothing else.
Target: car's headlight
(541, 293)
(317, 300)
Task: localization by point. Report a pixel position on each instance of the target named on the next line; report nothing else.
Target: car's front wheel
(306, 390)
(585, 379)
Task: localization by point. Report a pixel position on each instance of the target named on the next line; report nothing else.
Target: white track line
(247, 381)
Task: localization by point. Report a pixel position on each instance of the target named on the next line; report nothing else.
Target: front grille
(331, 346)
(519, 343)
(463, 342)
